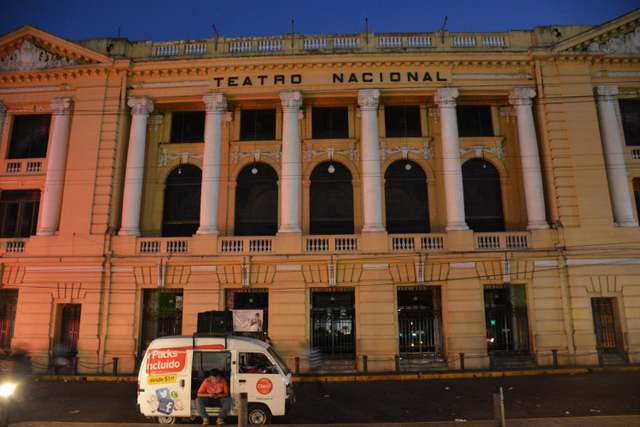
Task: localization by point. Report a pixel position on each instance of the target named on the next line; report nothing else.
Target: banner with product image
(247, 320)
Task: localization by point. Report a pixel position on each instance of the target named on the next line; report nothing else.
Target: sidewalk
(381, 376)
(598, 421)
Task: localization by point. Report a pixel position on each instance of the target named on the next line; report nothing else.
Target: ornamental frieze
(29, 57)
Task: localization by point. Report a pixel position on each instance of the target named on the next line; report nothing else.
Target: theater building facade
(396, 201)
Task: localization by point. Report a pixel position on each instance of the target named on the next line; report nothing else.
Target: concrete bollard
(498, 408)
(365, 363)
(297, 365)
(554, 353)
(397, 360)
(462, 361)
(242, 410)
(115, 366)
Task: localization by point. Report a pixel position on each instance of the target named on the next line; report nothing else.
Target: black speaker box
(215, 321)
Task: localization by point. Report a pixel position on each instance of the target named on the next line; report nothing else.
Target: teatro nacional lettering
(336, 78)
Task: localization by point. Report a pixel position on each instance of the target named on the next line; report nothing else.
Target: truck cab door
(260, 378)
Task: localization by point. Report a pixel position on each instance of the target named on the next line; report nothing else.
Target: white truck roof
(229, 342)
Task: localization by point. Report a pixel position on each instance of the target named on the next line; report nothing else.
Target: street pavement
(529, 401)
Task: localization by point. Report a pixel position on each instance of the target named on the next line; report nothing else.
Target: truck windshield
(278, 360)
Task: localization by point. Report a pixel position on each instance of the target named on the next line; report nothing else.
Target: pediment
(620, 36)
(31, 49)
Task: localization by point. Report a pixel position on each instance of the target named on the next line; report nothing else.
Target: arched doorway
(331, 199)
(256, 211)
(406, 200)
(482, 196)
(181, 213)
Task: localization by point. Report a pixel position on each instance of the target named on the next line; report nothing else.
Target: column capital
(291, 100)
(215, 102)
(607, 92)
(61, 106)
(522, 96)
(446, 96)
(140, 105)
(368, 99)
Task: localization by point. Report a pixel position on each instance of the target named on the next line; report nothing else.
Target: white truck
(174, 367)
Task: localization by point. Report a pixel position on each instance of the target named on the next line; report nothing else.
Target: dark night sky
(190, 19)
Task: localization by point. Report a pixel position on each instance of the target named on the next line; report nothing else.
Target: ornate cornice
(215, 102)
(140, 105)
(329, 152)
(625, 43)
(165, 157)
(256, 154)
(425, 151)
(61, 106)
(522, 96)
(368, 99)
(446, 96)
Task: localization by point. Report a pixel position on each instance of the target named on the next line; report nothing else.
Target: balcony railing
(500, 241)
(14, 246)
(242, 245)
(23, 166)
(163, 245)
(417, 242)
(324, 244)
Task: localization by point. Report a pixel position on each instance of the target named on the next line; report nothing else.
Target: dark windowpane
(29, 136)
(330, 122)
(630, 112)
(258, 125)
(181, 214)
(636, 193)
(161, 314)
(256, 201)
(402, 121)
(405, 189)
(19, 213)
(331, 196)
(8, 304)
(482, 196)
(187, 126)
(474, 120)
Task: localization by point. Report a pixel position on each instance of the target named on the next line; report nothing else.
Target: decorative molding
(607, 93)
(29, 57)
(606, 73)
(425, 152)
(625, 43)
(215, 102)
(546, 263)
(164, 157)
(604, 285)
(378, 266)
(158, 85)
(203, 268)
(65, 269)
(478, 150)
(121, 269)
(331, 269)
(61, 106)
(291, 100)
(257, 154)
(329, 152)
(288, 267)
(599, 261)
(368, 99)
(462, 265)
(155, 121)
(492, 76)
(522, 96)
(32, 89)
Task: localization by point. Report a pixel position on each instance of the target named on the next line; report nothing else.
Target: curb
(363, 377)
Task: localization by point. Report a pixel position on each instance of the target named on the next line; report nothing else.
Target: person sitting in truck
(214, 386)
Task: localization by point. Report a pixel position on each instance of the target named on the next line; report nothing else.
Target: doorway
(419, 322)
(333, 323)
(507, 321)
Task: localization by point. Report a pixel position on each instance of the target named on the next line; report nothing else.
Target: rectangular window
(161, 314)
(636, 194)
(630, 112)
(402, 121)
(8, 304)
(330, 122)
(474, 120)
(29, 136)
(258, 125)
(187, 126)
(19, 212)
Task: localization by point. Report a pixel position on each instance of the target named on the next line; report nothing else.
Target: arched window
(331, 196)
(181, 215)
(256, 201)
(482, 196)
(406, 201)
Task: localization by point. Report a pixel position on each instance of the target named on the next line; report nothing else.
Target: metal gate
(332, 319)
(604, 324)
(70, 326)
(8, 304)
(419, 321)
(506, 319)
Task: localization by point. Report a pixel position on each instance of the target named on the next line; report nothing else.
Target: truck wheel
(166, 420)
(258, 414)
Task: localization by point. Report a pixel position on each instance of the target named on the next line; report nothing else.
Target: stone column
(520, 98)
(291, 167)
(56, 162)
(370, 143)
(3, 116)
(451, 168)
(216, 104)
(613, 143)
(134, 173)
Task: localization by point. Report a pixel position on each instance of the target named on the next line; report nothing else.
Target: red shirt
(210, 386)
